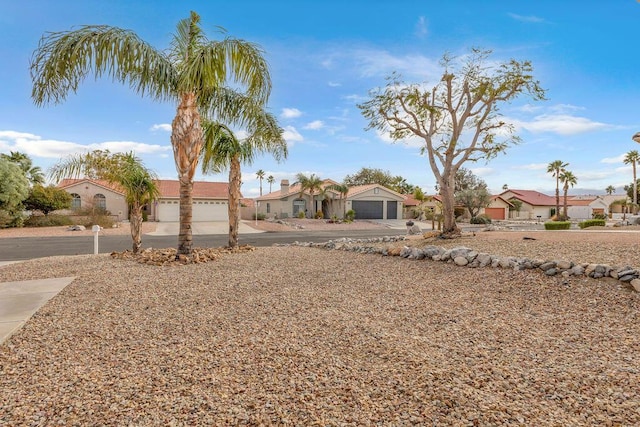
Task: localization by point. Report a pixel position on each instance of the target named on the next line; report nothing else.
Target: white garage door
(207, 210)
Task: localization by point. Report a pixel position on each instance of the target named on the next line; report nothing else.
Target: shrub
(334, 219)
(319, 215)
(301, 215)
(559, 218)
(480, 219)
(592, 223)
(599, 216)
(261, 216)
(557, 225)
(350, 215)
(51, 220)
(459, 211)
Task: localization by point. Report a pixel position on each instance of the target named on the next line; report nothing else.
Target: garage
(495, 213)
(392, 209)
(203, 210)
(369, 209)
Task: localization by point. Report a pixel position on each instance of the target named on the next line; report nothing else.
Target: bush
(459, 211)
(557, 225)
(592, 223)
(319, 215)
(559, 218)
(10, 219)
(261, 216)
(480, 219)
(350, 215)
(93, 216)
(301, 215)
(51, 220)
(599, 216)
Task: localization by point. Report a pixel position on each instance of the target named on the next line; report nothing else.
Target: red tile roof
(201, 189)
(531, 197)
(68, 182)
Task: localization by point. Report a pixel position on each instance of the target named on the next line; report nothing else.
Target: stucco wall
(115, 202)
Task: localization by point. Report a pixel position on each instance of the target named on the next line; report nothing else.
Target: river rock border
(466, 257)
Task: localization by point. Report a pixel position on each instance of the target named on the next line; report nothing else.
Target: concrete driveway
(201, 228)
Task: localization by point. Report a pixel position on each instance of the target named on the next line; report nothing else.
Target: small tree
(556, 168)
(367, 176)
(474, 199)
(312, 184)
(260, 175)
(568, 179)
(47, 199)
(33, 173)
(610, 189)
(14, 188)
(458, 119)
(271, 180)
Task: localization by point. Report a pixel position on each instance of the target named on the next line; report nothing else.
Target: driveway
(201, 228)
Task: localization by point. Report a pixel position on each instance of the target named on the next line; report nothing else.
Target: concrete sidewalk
(20, 300)
(201, 228)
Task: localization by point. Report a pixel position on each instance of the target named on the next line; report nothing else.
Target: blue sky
(325, 56)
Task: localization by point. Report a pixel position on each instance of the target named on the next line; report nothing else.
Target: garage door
(367, 209)
(392, 210)
(494, 213)
(169, 211)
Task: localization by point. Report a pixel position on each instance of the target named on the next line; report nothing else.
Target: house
(210, 199)
(90, 193)
(498, 209)
(585, 207)
(371, 201)
(536, 205)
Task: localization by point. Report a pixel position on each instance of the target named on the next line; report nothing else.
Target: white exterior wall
(579, 212)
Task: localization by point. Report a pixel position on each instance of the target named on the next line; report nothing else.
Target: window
(298, 206)
(76, 201)
(99, 201)
(376, 190)
(268, 207)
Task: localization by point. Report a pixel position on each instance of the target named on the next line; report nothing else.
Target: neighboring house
(210, 199)
(585, 207)
(89, 193)
(368, 201)
(535, 205)
(498, 209)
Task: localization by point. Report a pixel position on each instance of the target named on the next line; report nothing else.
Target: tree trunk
(234, 201)
(635, 187)
(135, 222)
(565, 204)
(449, 229)
(186, 140)
(558, 193)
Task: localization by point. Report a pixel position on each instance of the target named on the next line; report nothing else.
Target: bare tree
(458, 119)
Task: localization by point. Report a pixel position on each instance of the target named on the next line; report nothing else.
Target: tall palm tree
(271, 180)
(633, 158)
(123, 169)
(568, 179)
(610, 189)
(222, 150)
(192, 73)
(343, 189)
(260, 176)
(555, 168)
(312, 184)
(33, 173)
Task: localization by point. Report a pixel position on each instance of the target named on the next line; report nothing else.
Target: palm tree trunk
(186, 140)
(557, 193)
(566, 216)
(234, 201)
(635, 187)
(135, 222)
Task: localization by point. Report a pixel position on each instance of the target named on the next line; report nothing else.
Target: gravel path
(302, 336)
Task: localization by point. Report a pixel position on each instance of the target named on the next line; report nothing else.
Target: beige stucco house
(210, 199)
(368, 201)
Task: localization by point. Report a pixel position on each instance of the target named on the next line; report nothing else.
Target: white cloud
(36, 146)
(421, 28)
(530, 18)
(334, 84)
(355, 98)
(162, 126)
(532, 166)
(314, 125)
(483, 171)
(290, 113)
(561, 124)
(291, 135)
(373, 63)
(611, 160)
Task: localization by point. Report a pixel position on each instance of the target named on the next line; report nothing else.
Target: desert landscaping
(306, 336)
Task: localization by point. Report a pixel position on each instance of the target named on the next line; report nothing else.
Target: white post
(257, 204)
(96, 230)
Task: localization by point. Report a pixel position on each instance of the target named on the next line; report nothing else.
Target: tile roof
(201, 189)
(293, 190)
(531, 197)
(68, 182)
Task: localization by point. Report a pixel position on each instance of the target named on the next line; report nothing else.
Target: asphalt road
(23, 248)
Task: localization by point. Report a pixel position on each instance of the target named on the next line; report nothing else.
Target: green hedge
(592, 223)
(557, 225)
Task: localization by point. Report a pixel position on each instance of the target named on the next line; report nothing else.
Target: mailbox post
(96, 230)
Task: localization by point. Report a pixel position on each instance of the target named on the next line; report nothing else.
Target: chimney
(284, 187)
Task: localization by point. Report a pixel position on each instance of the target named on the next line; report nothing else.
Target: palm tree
(271, 180)
(33, 173)
(312, 184)
(610, 189)
(260, 176)
(567, 178)
(192, 73)
(633, 158)
(222, 150)
(555, 168)
(343, 189)
(122, 169)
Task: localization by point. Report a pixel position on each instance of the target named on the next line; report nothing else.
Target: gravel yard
(303, 336)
